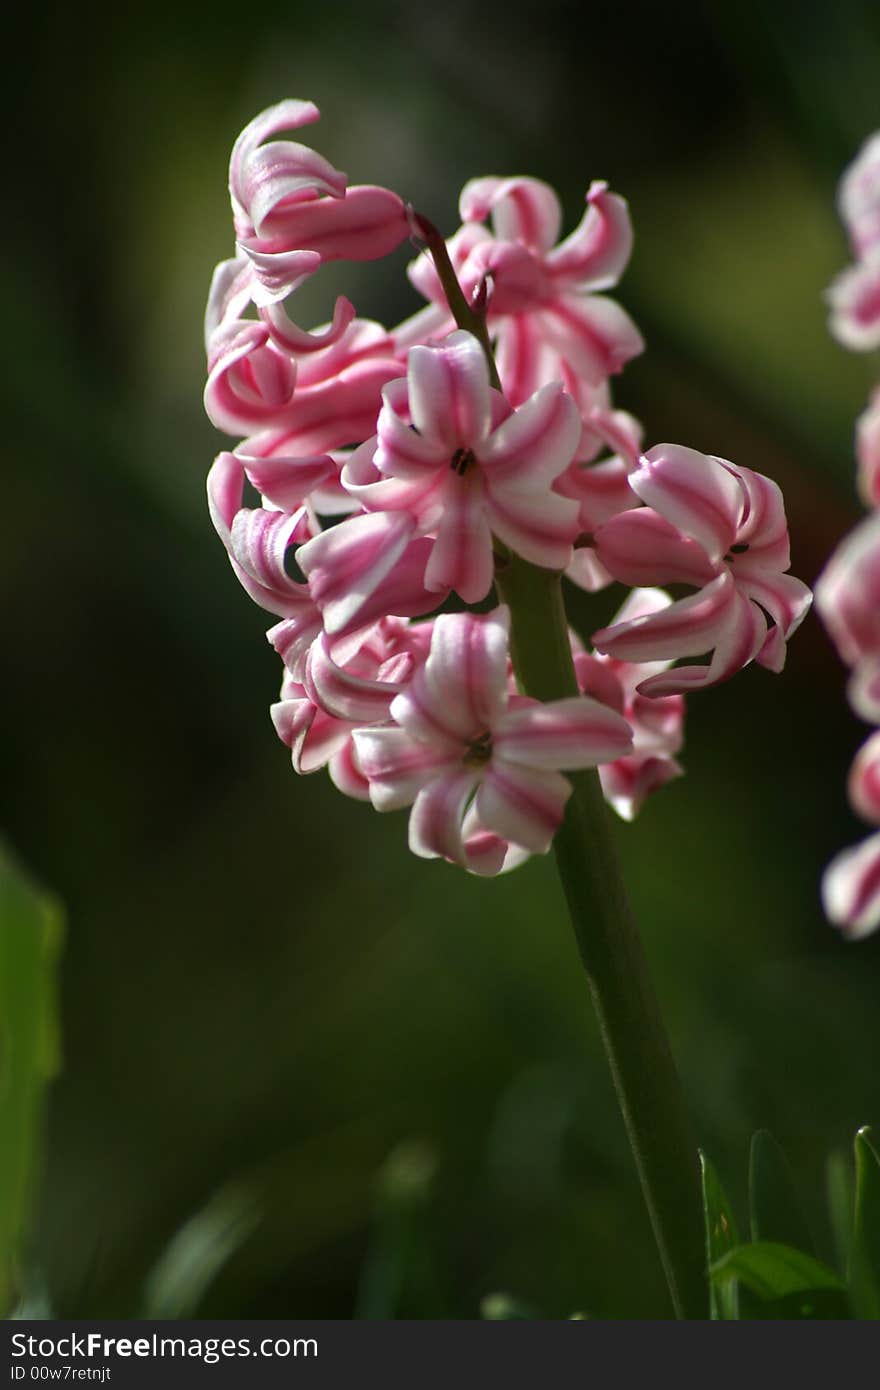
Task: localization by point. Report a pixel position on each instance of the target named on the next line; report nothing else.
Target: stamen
(462, 460)
(478, 751)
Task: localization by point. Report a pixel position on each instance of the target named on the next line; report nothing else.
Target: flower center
(462, 460)
(478, 751)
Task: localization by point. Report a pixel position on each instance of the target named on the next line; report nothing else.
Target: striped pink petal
(331, 414)
(522, 804)
(593, 333)
(256, 554)
(594, 256)
(342, 693)
(535, 444)
(346, 564)
(276, 270)
(854, 299)
(398, 766)
(229, 295)
(449, 392)
(786, 600)
(261, 176)
(486, 853)
(346, 775)
(563, 735)
(627, 783)
(859, 198)
(687, 627)
(249, 380)
(693, 491)
(463, 684)
(312, 736)
(851, 889)
(642, 548)
(863, 689)
(538, 526)
(738, 642)
(291, 338)
(868, 452)
(461, 558)
(367, 223)
(435, 821)
(848, 592)
(522, 209)
(287, 482)
(863, 785)
(292, 638)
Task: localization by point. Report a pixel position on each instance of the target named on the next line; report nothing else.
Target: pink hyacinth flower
(721, 530)
(868, 452)
(858, 198)
(460, 742)
(544, 312)
(851, 889)
(863, 785)
(657, 724)
(601, 490)
(848, 600)
(453, 458)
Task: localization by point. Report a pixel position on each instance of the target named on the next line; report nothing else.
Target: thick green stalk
(642, 1065)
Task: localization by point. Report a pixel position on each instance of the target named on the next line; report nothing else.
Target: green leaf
(864, 1268)
(30, 940)
(773, 1202)
(721, 1237)
(197, 1252)
(774, 1271)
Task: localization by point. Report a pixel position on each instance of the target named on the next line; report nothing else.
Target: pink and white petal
(851, 889)
(868, 452)
(786, 600)
(739, 642)
(848, 592)
(249, 381)
(763, 529)
(287, 482)
(343, 694)
(642, 548)
(259, 541)
(427, 326)
(601, 490)
(564, 735)
(628, 782)
(290, 114)
(587, 571)
(397, 766)
(435, 820)
(346, 775)
(449, 392)
(863, 689)
(863, 785)
(422, 272)
(594, 256)
(520, 355)
(535, 444)
(695, 492)
(593, 333)
(291, 338)
(331, 414)
(293, 637)
(522, 804)
(486, 854)
(858, 198)
(598, 678)
(367, 223)
(229, 295)
(854, 299)
(463, 684)
(540, 527)
(462, 558)
(312, 736)
(277, 270)
(346, 564)
(522, 209)
(688, 627)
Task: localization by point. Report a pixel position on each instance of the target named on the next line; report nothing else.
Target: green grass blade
(864, 1269)
(774, 1207)
(721, 1237)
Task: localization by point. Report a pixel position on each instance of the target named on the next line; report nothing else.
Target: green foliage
(197, 1253)
(30, 940)
(777, 1275)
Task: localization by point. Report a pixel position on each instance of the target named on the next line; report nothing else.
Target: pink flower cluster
(848, 591)
(382, 478)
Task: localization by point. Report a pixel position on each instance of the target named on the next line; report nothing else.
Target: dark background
(395, 1063)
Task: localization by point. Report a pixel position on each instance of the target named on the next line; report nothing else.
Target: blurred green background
(261, 986)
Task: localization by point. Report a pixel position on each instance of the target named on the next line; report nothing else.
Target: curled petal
(563, 735)
(341, 693)
(485, 853)
(688, 627)
(696, 493)
(601, 490)
(628, 782)
(522, 209)
(260, 540)
(249, 381)
(854, 298)
(346, 564)
(346, 775)
(435, 822)
(365, 224)
(522, 804)
(594, 256)
(786, 600)
(312, 736)
(293, 637)
(229, 295)
(276, 270)
(642, 548)
(261, 176)
(286, 482)
(225, 486)
(462, 558)
(331, 414)
(739, 640)
(863, 785)
(762, 538)
(851, 889)
(291, 338)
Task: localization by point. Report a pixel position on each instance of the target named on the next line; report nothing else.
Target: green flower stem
(638, 1050)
